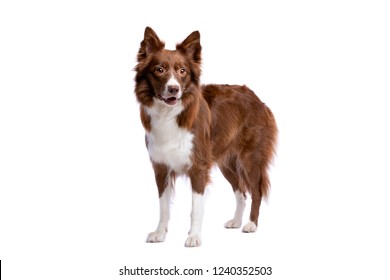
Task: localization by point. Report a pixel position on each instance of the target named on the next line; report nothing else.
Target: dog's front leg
(164, 181)
(194, 235)
(198, 182)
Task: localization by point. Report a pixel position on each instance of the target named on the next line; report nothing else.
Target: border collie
(190, 126)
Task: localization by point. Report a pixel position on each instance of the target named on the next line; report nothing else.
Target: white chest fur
(167, 142)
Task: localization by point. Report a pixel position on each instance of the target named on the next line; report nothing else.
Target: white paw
(193, 241)
(249, 227)
(156, 236)
(233, 224)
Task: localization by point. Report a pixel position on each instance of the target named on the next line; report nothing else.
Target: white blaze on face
(172, 82)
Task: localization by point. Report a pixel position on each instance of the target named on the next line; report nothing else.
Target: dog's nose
(173, 89)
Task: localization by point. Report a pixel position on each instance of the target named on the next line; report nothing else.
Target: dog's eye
(159, 70)
(182, 71)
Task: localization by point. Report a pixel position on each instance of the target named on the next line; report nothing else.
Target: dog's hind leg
(229, 170)
(240, 207)
(258, 182)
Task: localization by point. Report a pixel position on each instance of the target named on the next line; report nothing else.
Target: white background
(77, 194)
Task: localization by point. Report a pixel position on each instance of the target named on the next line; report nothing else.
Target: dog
(190, 127)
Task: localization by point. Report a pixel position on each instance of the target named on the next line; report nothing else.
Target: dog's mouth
(172, 100)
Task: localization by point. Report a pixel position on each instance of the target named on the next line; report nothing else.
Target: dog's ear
(191, 46)
(151, 43)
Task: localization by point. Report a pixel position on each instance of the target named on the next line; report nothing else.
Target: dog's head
(165, 75)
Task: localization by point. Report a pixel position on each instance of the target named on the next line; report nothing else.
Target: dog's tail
(270, 138)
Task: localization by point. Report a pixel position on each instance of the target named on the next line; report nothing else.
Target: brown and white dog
(189, 127)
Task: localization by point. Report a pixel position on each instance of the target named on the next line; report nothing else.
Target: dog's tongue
(170, 100)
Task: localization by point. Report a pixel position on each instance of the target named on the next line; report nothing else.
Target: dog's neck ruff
(168, 143)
